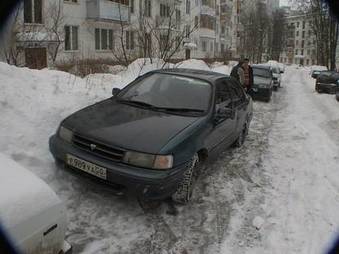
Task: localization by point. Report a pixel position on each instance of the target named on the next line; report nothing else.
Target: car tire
(242, 136)
(184, 192)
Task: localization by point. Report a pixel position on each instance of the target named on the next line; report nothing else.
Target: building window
(124, 2)
(204, 46)
(296, 52)
(130, 40)
(148, 8)
(33, 11)
(206, 21)
(298, 23)
(71, 1)
(163, 42)
(304, 23)
(188, 6)
(164, 10)
(297, 33)
(302, 52)
(303, 35)
(71, 38)
(308, 61)
(211, 46)
(178, 17)
(296, 42)
(302, 43)
(103, 39)
(132, 6)
(188, 31)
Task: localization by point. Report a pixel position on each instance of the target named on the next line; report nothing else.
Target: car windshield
(170, 91)
(275, 70)
(261, 72)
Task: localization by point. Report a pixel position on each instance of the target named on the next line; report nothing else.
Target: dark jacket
(250, 69)
(234, 74)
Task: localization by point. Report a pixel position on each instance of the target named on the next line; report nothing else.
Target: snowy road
(279, 193)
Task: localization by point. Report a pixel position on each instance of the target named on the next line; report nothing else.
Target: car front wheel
(184, 191)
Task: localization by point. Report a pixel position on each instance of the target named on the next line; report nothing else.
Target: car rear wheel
(242, 136)
(184, 191)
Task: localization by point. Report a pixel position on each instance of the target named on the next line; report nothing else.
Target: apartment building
(53, 31)
(300, 45)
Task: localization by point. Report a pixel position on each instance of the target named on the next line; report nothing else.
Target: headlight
(149, 160)
(65, 134)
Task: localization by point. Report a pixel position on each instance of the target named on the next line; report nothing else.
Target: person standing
(248, 75)
(238, 73)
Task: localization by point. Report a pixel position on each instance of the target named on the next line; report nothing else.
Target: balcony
(105, 10)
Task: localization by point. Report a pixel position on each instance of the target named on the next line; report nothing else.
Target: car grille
(98, 149)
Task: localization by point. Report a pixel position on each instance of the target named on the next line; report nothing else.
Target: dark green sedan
(262, 82)
(151, 136)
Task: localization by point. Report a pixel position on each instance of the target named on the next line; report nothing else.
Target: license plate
(87, 167)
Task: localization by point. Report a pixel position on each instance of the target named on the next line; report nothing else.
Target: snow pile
(20, 191)
(193, 64)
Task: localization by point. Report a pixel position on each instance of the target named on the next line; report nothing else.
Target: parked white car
(280, 66)
(31, 214)
(276, 69)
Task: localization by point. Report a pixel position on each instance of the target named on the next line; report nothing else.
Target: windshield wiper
(137, 103)
(150, 106)
(181, 109)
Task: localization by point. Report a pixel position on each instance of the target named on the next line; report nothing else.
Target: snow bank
(193, 64)
(22, 194)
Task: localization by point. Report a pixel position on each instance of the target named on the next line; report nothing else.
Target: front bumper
(326, 88)
(144, 183)
(261, 93)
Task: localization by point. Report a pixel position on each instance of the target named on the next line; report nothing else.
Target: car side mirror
(223, 113)
(281, 72)
(115, 91)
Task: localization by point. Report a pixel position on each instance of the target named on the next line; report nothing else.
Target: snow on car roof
(318, 68)
(22, 194)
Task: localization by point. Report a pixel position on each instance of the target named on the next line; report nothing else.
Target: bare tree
(278, 34)
(54, 28)
(325, 29)
(255, 22)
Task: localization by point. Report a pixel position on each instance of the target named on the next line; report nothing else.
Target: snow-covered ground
(279, 193)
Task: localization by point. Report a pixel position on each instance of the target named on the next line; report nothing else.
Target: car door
(223, 120)
(240, 105)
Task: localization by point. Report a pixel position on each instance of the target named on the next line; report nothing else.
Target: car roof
(261, 66)
(209, 76)
(21, 190)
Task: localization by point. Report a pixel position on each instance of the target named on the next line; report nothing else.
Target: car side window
(238, 96)
(223, 94)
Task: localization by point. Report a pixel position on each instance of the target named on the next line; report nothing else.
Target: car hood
(261, 81)
(128, 127)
